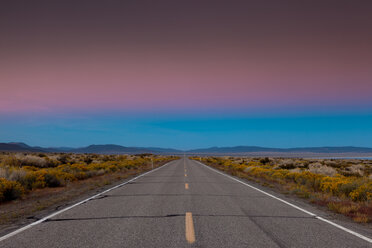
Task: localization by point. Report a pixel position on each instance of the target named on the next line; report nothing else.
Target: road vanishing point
(187, 204)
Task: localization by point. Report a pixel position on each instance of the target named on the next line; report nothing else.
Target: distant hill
(18, 147)
(110, 149)
(99, 149)
(236, 150)
(343, 149)
(21, 144)
(163, 150)
(255, 149)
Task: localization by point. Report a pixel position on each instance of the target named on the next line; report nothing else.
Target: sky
(186, 74)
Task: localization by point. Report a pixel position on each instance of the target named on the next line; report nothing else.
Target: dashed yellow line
(189, 231)
(186, 186)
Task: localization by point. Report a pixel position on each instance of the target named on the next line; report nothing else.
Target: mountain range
(241, 150)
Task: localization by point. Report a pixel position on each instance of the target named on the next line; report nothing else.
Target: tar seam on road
(189, 228)
(294, 206)
(75, 205)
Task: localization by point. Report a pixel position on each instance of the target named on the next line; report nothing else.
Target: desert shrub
(63, 159)
(4, 173)
(361, 218)
(28, 181)
(318, 168)
(354, 170)
(308, 179)
(11, 161)
(34, 180)
(36, 161)
(287, 164)
(52, 180)
(343, 207)
(348, 186)
(331, 184)
(39, 180)
(305, 165)
(17, 174)
(301, 191)
(10, 190)
(100, 172)
(106, 158)
(81, 175)
(332, 163)
(265, 160)
(368, 170)
(51, 162)
(362, 193)
(88, 160)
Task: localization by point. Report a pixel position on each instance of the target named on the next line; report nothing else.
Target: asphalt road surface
(184, 204)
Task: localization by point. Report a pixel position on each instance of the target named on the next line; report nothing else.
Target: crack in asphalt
(178, 182)
(117, 217)
(176, 215)
(202, 195)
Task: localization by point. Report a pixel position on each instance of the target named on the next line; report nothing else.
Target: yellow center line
(190, 232)
(186, 186)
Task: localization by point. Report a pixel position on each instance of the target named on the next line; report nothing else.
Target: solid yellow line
(190, 232)
(186, 186)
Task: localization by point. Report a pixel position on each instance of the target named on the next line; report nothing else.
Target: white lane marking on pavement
(76, 204)
(294, 206)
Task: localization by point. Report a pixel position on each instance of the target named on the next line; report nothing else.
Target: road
(184, 204)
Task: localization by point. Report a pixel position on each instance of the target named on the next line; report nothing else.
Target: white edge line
(75, 205)
(294, 206)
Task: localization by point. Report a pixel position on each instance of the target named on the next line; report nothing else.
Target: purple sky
(191, 57)
(184, 54)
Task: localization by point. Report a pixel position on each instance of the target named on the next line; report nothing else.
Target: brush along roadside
(343, 186)
(25, 190)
